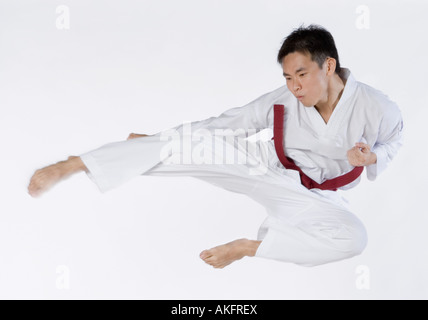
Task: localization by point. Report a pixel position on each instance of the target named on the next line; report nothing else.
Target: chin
(307, 104)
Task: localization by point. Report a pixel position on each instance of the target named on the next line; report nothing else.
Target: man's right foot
(45, 178)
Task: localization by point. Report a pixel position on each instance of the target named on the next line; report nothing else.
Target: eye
(288, 79)
(302, 75)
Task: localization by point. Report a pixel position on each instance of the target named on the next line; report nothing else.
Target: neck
(334, 93)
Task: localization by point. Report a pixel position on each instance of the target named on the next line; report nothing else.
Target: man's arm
(254, 115)
(388, 142)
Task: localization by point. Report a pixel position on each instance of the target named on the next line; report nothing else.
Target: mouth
(300, 97)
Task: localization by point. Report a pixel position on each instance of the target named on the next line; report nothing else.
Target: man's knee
(359, 239)
(352, 242)
(344, 241)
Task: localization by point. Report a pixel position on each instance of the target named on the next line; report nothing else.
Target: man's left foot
(221, 256)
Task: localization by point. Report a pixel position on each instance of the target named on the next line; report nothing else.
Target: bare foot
(135, 136)
(221, 256)
(44, 179)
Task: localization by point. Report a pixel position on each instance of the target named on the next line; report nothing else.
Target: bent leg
(318, 235)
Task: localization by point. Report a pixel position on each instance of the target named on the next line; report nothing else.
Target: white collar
(350, 86)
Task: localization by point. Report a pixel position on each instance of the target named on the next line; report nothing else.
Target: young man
(327, 128)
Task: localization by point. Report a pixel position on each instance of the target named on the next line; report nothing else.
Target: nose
(296, 86)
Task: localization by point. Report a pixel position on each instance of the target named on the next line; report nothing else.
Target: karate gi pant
(304, 227)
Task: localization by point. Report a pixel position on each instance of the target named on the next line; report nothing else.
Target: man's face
(305, 79)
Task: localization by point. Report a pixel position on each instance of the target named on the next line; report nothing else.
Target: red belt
(288, 163)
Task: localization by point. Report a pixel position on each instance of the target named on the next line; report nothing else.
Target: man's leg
(302, 227)
(44, 179)
(115, 163)
(306, 228)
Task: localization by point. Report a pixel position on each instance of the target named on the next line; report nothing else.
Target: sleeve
(256, 116)
(388, 142)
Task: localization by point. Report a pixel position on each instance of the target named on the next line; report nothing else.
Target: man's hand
(361, 156)
(135, 136)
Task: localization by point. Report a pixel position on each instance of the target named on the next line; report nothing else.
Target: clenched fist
(361, 156)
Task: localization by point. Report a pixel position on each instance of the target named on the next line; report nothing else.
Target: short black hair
(314, 40)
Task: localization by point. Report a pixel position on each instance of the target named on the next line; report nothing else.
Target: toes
(205, 254)
(36, 184)
(214, 262)
(34, 193)
(217, 264)
(32, 187)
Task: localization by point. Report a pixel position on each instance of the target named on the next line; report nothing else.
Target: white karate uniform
(305, 227)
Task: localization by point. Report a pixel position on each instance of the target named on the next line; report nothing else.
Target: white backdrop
(144, 66)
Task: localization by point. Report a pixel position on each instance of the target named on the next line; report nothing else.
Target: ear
(331, 66)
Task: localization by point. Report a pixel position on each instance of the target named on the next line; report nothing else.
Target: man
(327, 128)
